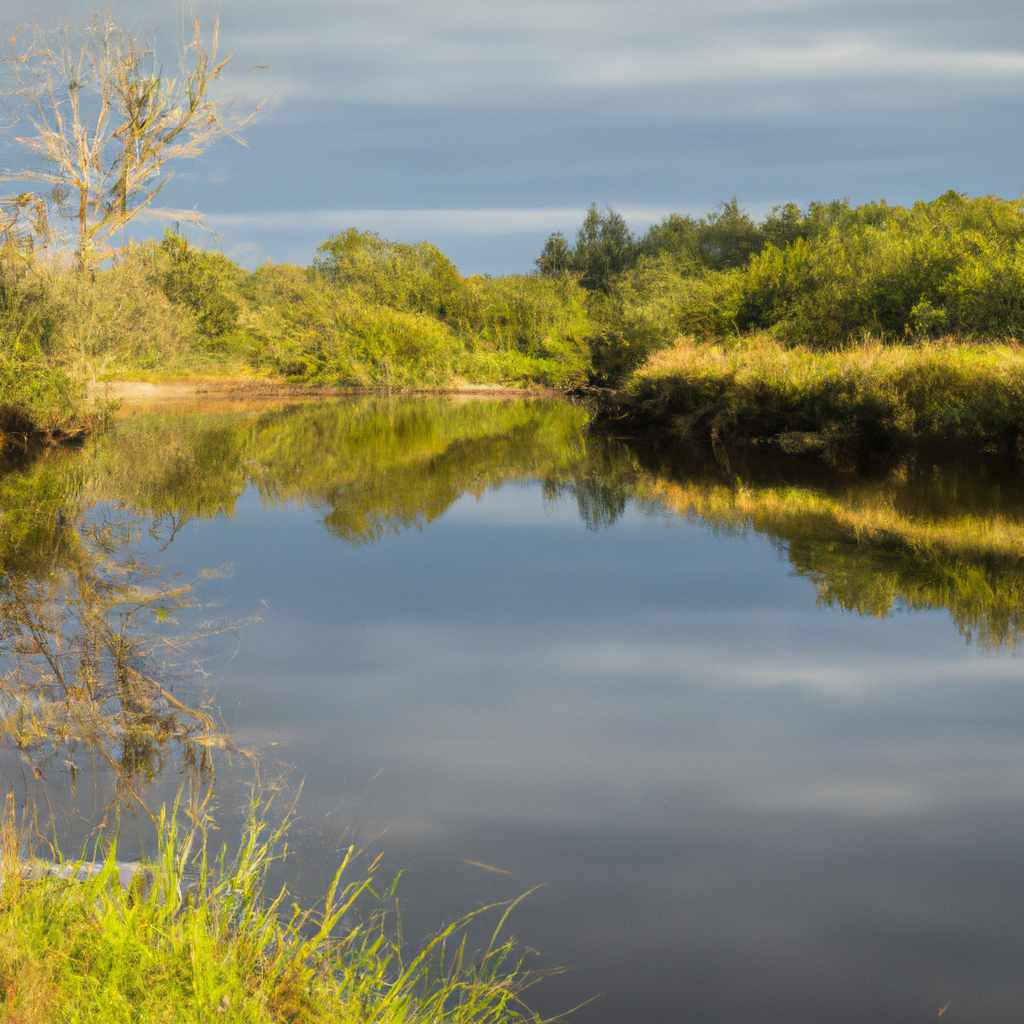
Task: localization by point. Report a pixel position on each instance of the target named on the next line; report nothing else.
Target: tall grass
(195, 936)
(866, 394)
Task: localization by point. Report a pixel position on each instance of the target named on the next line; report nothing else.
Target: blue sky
(483, 126)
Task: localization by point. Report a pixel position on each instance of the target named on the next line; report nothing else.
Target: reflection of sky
(766, 810)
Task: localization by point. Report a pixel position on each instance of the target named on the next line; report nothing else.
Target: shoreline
(204, 388)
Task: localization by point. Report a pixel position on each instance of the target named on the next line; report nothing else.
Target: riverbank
(191, 388)
(865, 398)
(818, 327)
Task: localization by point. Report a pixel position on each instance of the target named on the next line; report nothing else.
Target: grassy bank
(866, 396)
(194, 937)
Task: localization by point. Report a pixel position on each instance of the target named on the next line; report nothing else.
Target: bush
(205, 282)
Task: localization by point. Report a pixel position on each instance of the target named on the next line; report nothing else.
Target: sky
(484, 126)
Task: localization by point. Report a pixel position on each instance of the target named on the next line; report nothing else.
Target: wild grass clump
(868, 393)
(197, 938)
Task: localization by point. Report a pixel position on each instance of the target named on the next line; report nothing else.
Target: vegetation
(193, 936)
(862, 325)
(742, 305)
(369, 313)
(822, 277)
(866, 397)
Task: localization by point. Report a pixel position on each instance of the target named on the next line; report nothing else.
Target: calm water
(755, 728)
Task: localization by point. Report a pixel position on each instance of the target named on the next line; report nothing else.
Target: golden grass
(873, 392)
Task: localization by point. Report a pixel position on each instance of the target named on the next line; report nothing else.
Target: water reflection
(84, 680)
(81, 673)
(743, 804)
(917, 534)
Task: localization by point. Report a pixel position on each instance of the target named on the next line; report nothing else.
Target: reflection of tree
(938, 538)
(83, 686)
(80, 679)
(374, 465)
(913, 537)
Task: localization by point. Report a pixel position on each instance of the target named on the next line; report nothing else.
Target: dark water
(754, 727)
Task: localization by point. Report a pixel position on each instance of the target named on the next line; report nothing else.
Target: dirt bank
(198, 388)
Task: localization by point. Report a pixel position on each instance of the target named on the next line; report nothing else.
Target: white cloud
(455, 52)
(825, 60)
(411, 222)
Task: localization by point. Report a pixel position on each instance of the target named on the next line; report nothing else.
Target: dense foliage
(368, 313)
(820, 277)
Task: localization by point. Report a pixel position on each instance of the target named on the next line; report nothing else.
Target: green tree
(605, 247)
(728, 237)
(554, 258)
(206, 282)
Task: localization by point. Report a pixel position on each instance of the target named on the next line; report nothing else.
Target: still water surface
(754, 727)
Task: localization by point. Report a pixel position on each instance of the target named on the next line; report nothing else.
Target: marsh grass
(866, 394)
(195, 936)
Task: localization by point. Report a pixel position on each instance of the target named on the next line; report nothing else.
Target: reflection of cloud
(606, 718)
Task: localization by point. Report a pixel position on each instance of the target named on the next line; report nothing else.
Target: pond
(751, 723)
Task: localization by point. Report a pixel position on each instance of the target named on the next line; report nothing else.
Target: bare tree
(106, 121)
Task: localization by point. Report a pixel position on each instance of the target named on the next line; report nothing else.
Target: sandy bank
(200, 388)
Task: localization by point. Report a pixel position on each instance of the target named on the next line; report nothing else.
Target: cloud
(405, 222)
(454, 52)
(477, 123)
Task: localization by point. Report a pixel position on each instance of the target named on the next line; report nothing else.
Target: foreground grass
(867, 395)
(189, 940)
